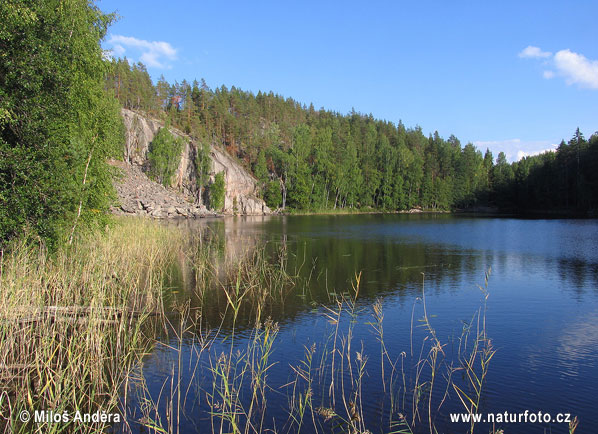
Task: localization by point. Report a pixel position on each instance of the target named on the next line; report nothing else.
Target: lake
(539, 307)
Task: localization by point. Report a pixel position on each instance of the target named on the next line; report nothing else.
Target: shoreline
(529, 214)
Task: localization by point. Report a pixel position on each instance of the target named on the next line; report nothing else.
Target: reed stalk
(71, 322)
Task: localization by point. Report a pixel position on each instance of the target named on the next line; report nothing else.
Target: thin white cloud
(508, 146)
(575, 68)
(155, 54)
(516, 149)
(534, 52)
(523, 154)
(118, 50)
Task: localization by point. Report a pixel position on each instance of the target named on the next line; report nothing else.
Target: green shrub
(217, 190)
(273, 195)
(164, 156)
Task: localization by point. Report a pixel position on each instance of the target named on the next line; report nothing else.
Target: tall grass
(326, 389)
(76, 324)
(244, 288)
(71, 322)
(415, 387)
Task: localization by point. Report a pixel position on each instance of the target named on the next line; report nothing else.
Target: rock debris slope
(139, 195)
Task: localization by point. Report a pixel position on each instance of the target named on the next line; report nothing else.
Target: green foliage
(299, 171)
(203, 164)
(273, 195)
(325, 160)
(164, 156)
(217, 191)
(260, 170)
(57, 123)
(565, 180)
(469, 175)
(131, 85)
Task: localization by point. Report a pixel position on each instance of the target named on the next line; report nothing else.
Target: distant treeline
(565, 180)
(316, 159)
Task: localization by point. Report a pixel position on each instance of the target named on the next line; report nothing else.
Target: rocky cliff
(241, 187)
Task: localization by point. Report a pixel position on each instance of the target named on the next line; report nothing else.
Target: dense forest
(308, 159)
(59, 122)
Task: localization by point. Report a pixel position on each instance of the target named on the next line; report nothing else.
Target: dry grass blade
(70, 321)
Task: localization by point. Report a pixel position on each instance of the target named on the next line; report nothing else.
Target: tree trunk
(83, 186)
(284, 193)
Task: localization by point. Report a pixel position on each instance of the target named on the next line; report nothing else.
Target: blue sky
(512, 76)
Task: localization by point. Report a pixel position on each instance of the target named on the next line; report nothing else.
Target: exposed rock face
(241, 187)
(139, 132)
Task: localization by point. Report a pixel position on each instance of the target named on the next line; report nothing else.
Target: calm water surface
(542, 308)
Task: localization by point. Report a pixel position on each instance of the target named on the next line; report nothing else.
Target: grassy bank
(71, 322)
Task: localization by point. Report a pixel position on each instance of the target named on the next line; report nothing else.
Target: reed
(301, 395)
(474, 356)
(408, 383)
(72, 322)
(238, 389)
(77, 323)
(247, 286)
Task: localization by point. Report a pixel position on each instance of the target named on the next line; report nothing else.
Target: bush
(217, 190)
(273, 195)
(164, 156)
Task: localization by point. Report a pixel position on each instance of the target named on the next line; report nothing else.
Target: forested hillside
(310, 159)
(59, 123)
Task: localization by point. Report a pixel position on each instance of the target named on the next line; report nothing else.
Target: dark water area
(541, 315)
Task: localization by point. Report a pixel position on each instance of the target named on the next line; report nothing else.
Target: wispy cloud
(492, 143)
(516, 149)
(575, 68)
(118, 50)
(154, 54)
(534, 52)
(523, 154)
